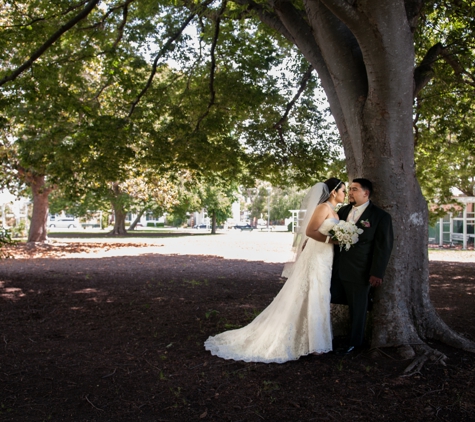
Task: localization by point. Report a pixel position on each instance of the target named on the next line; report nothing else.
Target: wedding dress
(297, 322)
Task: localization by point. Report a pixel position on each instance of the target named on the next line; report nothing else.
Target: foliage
(70, 115)
(188, 201)
(284, 200)
(445, 115)
(83, 114)
(5, 240)
(217, 199)
(93, 108)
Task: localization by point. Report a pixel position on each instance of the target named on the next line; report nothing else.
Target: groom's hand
(375, 281)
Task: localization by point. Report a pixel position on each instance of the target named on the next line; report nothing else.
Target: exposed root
(406, 351)
(415, 366)
(429, 354)
(440, 331)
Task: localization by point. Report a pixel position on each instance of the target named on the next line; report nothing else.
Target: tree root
(429, 354)
(406, 351)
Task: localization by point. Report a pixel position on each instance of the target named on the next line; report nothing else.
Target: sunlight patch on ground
(272, 247)
(11, 293)
(88, 291)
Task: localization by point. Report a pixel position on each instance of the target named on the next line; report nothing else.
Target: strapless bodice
(327, 225)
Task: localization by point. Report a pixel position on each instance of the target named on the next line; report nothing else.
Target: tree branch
(213, 64)
(303, 85)
(459, 71)
(163, 50)
(270, 19)
(120, 29)
(66, 27)
(425, 71)
(42, 19)
(343, 9)
(279, 125)
(309, 40)
(108, 13)
(413, 12)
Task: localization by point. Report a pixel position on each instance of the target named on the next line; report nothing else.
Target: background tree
(103, 106)
(153, 193)
(217, 198)
(258, 200)
(444, 113)
(284, 200)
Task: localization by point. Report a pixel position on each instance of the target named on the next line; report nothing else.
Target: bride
(297, 322)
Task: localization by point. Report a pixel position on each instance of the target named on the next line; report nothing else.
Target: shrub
(5, 239)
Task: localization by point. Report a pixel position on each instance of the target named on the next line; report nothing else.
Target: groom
(361, 267)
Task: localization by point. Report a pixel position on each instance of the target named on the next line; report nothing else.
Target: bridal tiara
(336, 187)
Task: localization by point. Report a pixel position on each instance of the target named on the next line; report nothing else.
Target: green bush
(5, 239)
(19, 230)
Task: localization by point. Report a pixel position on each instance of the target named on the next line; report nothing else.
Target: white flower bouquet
(345, 233)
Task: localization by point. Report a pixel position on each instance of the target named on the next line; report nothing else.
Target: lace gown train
(296, 323)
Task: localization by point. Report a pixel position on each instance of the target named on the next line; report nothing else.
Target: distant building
(14, 211)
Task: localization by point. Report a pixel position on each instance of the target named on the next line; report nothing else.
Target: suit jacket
(370, 255)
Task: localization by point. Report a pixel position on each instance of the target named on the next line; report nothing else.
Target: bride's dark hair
(333, 184)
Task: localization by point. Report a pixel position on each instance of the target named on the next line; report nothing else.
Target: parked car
(243, 226)
(62, 222)
(264, 227)
(201, 226)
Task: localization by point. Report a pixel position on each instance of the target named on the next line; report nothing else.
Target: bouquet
(345, 233)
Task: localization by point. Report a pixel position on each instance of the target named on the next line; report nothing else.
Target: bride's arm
(320, 214)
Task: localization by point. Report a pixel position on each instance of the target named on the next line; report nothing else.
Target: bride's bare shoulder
(324, 208)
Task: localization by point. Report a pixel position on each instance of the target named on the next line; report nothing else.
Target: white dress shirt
(356, 212)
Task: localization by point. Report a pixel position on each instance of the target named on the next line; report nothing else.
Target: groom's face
(357, 195)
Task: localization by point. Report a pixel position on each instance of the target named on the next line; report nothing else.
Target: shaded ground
(121, 339)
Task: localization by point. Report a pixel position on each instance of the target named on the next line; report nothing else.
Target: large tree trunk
(119, 211)
(38, 229)
(119, 221)
(213, 222)
(364, 55)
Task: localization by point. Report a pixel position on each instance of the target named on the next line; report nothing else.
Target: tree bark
(119, 211)
(213, 222)
(38, 229)
(364, 54)
(137, 219)
(119, 221)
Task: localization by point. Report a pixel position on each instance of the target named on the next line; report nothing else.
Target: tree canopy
(147, 86)
(85, 96)
(444, 112)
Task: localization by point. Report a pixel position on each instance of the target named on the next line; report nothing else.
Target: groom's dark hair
(365, 184)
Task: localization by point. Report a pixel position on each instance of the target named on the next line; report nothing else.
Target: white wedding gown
(297, 322)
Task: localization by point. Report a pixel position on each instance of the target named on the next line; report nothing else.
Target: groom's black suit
(353, 268)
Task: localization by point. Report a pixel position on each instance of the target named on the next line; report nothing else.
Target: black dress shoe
(347, 351)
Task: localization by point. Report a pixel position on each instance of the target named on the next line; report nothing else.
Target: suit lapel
(343, 213)
(366, 212)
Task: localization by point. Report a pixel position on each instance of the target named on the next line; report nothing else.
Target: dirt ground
(113, 330)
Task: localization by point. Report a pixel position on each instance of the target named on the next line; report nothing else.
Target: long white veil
(316, 195)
